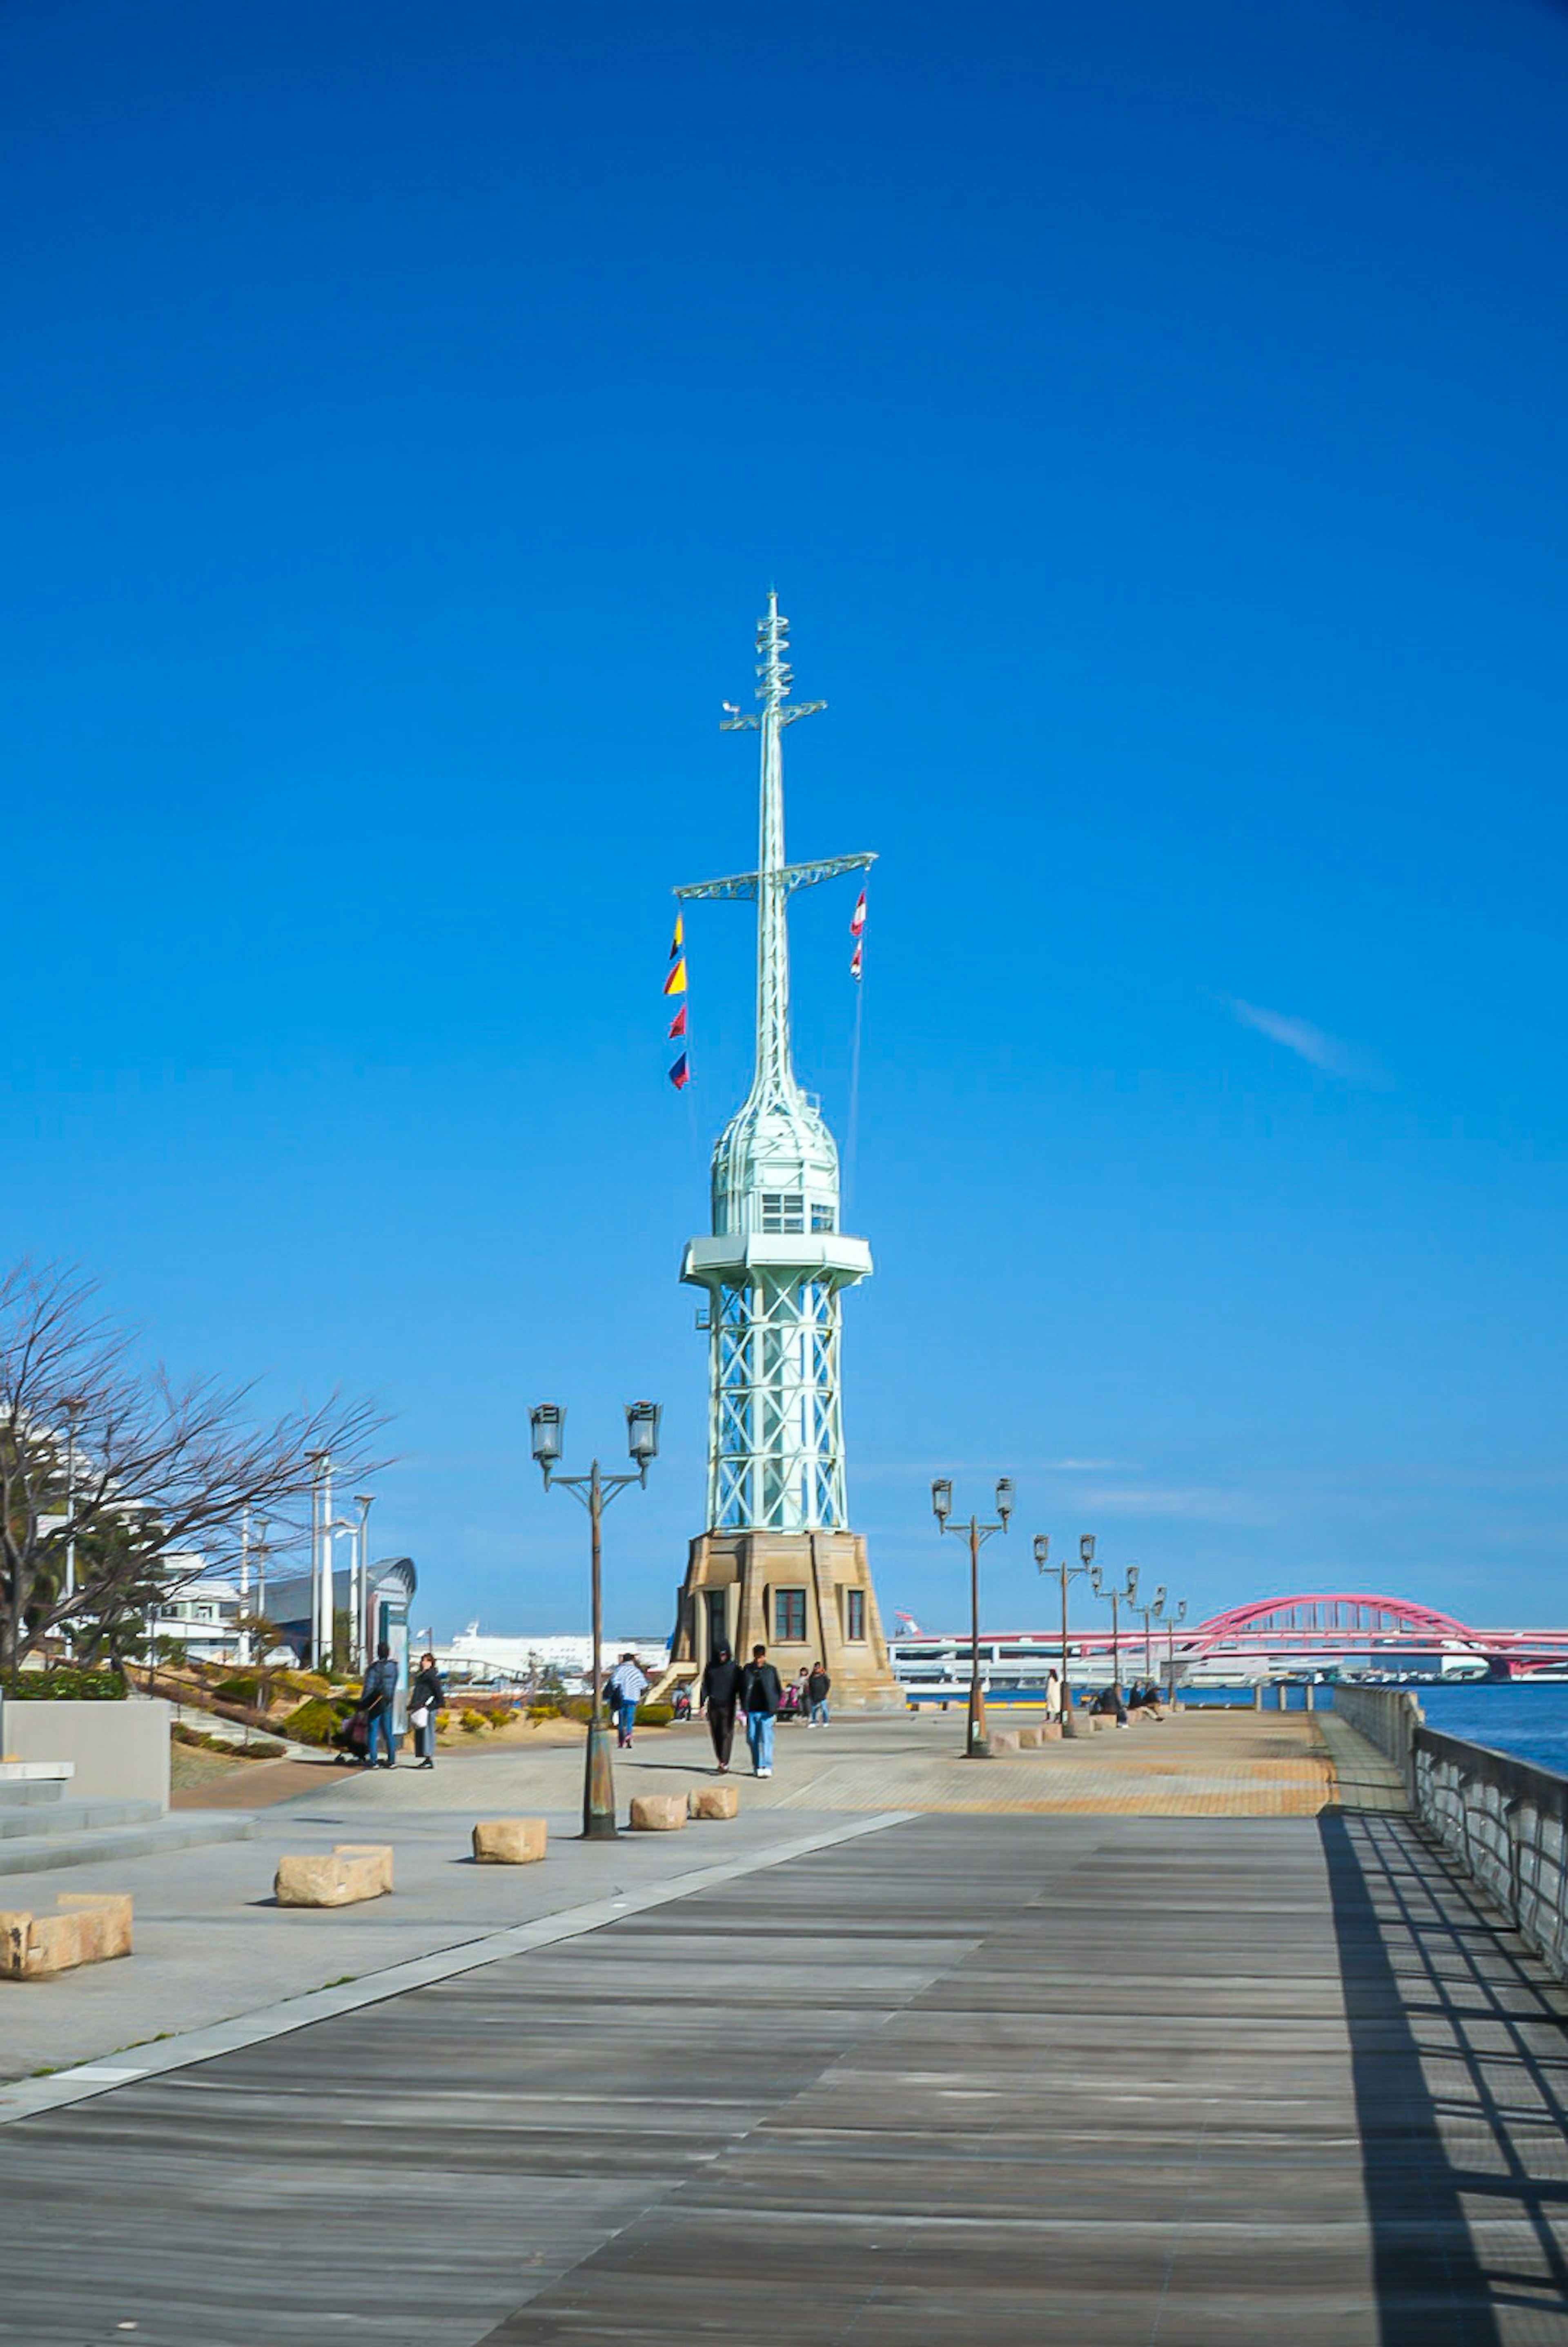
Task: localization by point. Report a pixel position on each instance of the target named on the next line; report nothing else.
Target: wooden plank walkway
(1162, 2080)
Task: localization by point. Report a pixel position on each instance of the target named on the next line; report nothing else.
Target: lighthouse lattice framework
(777, 1564)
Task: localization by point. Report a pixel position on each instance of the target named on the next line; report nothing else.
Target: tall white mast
(777, 1259)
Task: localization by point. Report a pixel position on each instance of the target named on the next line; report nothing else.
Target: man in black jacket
(760, 1696)
(720, 1694)
(818, 1687)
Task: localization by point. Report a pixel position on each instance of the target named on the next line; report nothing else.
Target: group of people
(378, 1698)
(1111, 1703)
(755, 1691)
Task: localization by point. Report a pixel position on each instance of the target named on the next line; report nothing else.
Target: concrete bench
(86, 1928)
(1004, 1740)
(713, 1801)
(659, 1812)
(509, 1841)
(341, 1877)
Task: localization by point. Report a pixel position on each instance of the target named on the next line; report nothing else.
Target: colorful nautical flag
(679, 940)
(855, 962)
(677, 1024)
(858, 917)
(676, 982)
(680, 1074)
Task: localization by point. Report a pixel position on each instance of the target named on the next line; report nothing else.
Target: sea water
(1511, 1715)
(1508, 1715)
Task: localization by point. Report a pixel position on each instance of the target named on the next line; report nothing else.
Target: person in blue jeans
(629, 1683)
(816, 1690)
(761, 1696)
(376, 1698)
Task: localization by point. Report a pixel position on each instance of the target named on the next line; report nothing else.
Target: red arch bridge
(1316, 1630)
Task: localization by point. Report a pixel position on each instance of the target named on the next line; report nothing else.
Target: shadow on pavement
(1456, 2097)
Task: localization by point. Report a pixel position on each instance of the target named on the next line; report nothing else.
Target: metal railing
(1505, 1822)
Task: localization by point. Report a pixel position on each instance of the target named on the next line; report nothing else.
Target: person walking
(720, 1694)
(760, 1696)
(818, 1685)
(1053, 1695)
(376, 1699)
(425, 1698)
(629, 1683)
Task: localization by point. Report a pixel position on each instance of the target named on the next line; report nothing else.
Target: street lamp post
(547, 1423)
(1151, 1615)
(1171, 1621)
(977, 1741)
(359, 1597)
(1118, 1598)
(320, 1465)
(1064, 1573)
(74, 1405)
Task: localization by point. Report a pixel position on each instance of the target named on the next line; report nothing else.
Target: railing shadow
(1458, 2096)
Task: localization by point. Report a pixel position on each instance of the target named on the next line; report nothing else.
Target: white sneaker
(765, 1772)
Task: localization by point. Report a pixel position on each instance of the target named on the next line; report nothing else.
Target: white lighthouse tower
(777, 1564)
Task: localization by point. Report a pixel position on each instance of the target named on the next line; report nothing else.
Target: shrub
(68, 1686)
(244, 1687)
(655, 1714)
(503, 1718)
(472, 1722)
(316, 1721)
(544, 1711)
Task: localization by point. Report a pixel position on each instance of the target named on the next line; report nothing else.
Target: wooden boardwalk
(1160, 2080)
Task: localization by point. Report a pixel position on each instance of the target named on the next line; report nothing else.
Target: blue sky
(1153, 418)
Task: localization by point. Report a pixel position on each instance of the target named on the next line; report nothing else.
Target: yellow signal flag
(679, 940)
(676, 982)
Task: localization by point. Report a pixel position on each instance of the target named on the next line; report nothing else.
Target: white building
(478, 1655)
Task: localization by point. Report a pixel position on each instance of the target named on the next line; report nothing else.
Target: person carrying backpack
(627, 1684)
(761, 1696)
(376, 1702)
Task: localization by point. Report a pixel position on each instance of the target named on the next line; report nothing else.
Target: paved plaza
(837, 2074)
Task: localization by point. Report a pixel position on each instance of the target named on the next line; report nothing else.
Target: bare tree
(142, 1470)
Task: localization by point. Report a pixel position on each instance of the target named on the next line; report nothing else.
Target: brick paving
(1198, 1763)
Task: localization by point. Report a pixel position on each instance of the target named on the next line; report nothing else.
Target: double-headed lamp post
(1151, 1613)
(976, 1742)
(1171, 1621)
(595, 1491)
(1065, 1572)
(1118, 1597)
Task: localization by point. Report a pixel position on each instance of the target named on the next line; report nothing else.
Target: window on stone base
(789, 1617)
(855, 1616)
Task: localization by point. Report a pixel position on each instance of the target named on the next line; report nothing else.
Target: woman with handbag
(426, 1697)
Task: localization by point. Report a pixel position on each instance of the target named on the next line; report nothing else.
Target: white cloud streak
(1298, 1035)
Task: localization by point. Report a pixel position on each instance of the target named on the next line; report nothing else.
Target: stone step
(29, 1784)
(72, 1816)
(193, 1829)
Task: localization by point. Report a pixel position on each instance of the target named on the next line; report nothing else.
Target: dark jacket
(760, 1689)
(381, 1685)
(816, 1687)
(428, 1689)
(721, 1686)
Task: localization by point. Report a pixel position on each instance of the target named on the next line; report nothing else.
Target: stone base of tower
(761, 1589)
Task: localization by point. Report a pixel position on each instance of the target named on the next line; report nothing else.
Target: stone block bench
(86, 1928)
(509, 1841)
(341, 1877)
(659, 1812)
(713, 1801)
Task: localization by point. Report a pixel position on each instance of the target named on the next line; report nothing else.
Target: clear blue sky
(1154, 418)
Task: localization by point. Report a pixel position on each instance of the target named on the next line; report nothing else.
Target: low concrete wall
(119, 1750)
(1505, 1822)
